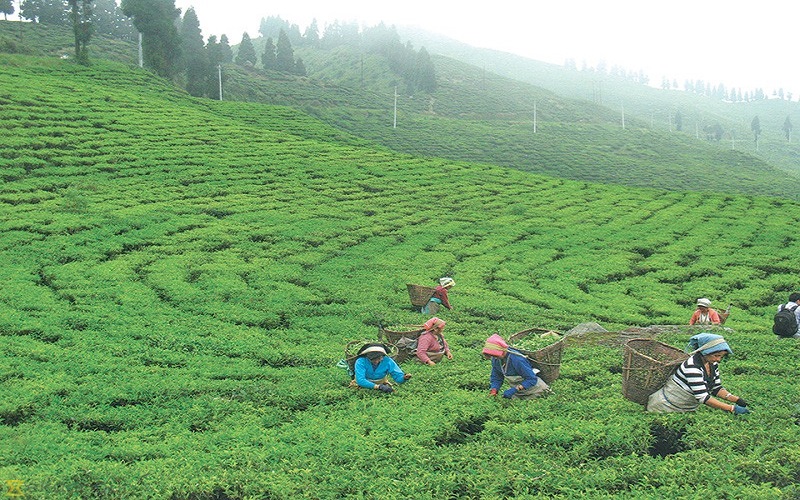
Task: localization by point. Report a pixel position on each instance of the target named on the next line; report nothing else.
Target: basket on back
(405, 341)
(648, 364)
(419, 295)
(547, 359)
(351, 351)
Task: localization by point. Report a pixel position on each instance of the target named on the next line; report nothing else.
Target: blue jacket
(515, 364)
(365, 373)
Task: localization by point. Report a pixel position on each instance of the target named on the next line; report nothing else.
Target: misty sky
(746, 45)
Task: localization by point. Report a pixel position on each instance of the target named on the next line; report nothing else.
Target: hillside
(655, 107)
(182, 276)
(478, 116)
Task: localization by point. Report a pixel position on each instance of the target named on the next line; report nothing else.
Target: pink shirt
(428, 342)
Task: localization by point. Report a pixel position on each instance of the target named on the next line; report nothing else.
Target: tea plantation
(181, 276)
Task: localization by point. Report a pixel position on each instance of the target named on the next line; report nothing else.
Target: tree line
(173, 45)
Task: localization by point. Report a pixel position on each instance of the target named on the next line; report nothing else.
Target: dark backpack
(785, 324)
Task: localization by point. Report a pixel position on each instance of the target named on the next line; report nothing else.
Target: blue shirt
(367, 375)
(515, 364)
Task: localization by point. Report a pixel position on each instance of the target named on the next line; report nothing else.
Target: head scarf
(446, 281)
(495, 346)
(433, 322)
(704, 302)
(701, 339)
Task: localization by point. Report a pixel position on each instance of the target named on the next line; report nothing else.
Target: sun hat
(495, 346)
(446, 281)
(372, 350)
(704, 302)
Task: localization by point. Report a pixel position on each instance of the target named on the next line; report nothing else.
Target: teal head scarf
(702, 339)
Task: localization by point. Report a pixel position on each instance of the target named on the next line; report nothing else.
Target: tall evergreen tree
(787, 128)
(300, 68)
(155, 20)
(194, 53)
(284, 54)
(311, 35)
(755, 126)
(247, 53)
(225, 50)
(7, 8)
(215, 60)
(424, 73)
(268, 59)
(81, 14)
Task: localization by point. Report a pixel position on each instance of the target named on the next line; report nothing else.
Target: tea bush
(181, 281)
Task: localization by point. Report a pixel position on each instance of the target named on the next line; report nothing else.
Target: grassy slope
(655, 107)
(479, 117)
(182, 276)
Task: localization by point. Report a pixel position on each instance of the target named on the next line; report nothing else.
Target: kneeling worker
(373, 368)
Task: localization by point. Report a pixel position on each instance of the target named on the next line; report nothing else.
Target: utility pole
(219, 75)
(141, 56)
(534, 117)
(622, 106)
(395, 107)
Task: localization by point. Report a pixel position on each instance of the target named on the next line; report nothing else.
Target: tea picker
(696, 381)
(508, 364)
(704, 315)
(429, 300)
(373, 368)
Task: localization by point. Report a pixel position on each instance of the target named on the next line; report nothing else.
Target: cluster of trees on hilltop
(106, 17)
(174, 48)
(414, 67)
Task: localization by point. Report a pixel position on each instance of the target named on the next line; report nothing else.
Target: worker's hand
(741, 402)
(510, 392)
(740, 410)
(449, 355)
(493, 392)
(406, 376)
(385, 388)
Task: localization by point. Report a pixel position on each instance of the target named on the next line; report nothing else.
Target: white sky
(749, 44)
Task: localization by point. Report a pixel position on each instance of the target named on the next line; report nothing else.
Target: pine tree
(155, 20)
(225, 50)
(268, 59)
(311, 35)
(300, 68)
(424, 73)
(81, 14)
(284, 54)
(787, 128)
(194, 54)
(247, 53)
(755, 126)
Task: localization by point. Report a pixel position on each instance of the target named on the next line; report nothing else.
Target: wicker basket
(419, 295)
(648, 364)
(404, 341)
(547, 359)
(351, 351)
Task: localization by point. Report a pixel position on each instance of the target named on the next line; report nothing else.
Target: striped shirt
(693, 379)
